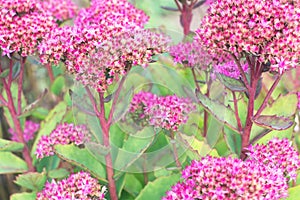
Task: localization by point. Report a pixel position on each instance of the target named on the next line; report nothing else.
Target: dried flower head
(267, 29)
(168, 112)
(228, 178)
(29, 129)
(63, 134)
(278, 154)
(77, 186)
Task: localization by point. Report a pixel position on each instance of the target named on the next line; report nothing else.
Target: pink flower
(29, 129)
(228, 178)
(268, 30)
(168, 112)
(62, 10)
(190, 54)
(63, 134)
(278, 154)
(77, 186)
(22, 25)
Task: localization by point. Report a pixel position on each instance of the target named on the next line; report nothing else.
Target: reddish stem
(254, 77)
(50, 73)
(17, 124)
(108, 160)
(186, 18)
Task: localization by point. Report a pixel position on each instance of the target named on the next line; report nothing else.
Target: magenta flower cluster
(113, 15)
(77, 186)
(278, 154)
(226, 179)
(62, 10)
(191, 54)
(63, 134)
(263, 175)
(106, 38)
(167, 112)
(22, 25)
(230, 69)
(268, 29)
(30, 128)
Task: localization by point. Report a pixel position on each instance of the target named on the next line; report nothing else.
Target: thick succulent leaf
(221, 112)
(231, 83)
(11, 163)
(8, 145)
(81, 158)
(33, 181)
(158, 188)
(274, 122)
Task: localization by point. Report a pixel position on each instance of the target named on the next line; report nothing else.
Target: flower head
(228, 178)
(29, 129)
(77, 186)
(168, 112)
(63, 134)
(190, 54)
(62, 10)
(22, 25)
(278, 154)
(269, 30)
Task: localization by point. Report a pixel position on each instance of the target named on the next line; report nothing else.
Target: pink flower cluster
(117, 55)
(63, 134)
(226, 179)
(29, 129)
(168, 112)
(62, 10)
(268, 29)
(22, 25)
(114, 15)
(107, 37)
(230, 69)
(191, 54)
(278, 154)
(77, 186)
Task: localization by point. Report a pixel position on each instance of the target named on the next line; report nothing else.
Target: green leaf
(214, 131)
(58, 85)
(23, 196)
(133, 148)
(81, 158)
(11, 163)
(8, 145)
(29, 109)
(58, 173)
(294, 193)
(48, 163)
(221, 112)
(284, 105)
(5, 73)
(34, 181)
(54, 117)
(132, 184)
(233, 140)
(16, 70)
(273, 122)
(158, 188)
(231, 83)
